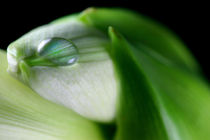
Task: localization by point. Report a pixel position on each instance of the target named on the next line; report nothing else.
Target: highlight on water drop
(59, 51)
(54, 52)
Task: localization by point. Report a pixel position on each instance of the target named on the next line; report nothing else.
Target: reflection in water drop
(58, 51)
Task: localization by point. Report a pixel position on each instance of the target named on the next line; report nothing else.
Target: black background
(188, 20)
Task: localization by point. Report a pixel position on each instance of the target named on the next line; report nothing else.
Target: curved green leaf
(138, 115)
(157, 101)
(142, 30)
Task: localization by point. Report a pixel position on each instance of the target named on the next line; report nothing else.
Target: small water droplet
(58, 51)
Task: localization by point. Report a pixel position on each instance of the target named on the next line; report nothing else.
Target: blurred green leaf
(139, 29)
(157, 100)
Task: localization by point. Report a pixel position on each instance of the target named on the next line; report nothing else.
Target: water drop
(59, 51)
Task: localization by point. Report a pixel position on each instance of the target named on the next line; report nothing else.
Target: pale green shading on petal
(24, 115)
(87, 86)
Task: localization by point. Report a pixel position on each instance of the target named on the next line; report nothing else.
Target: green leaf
(139, 29)
(138, 115)
(24, 115)
(157, 100)
(183, 97)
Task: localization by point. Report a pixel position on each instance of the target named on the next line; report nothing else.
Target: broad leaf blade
(138, 115)
(183, 97)
(158, 97)
(142, 30)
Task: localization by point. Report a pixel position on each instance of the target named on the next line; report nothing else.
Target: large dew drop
(58, 51)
